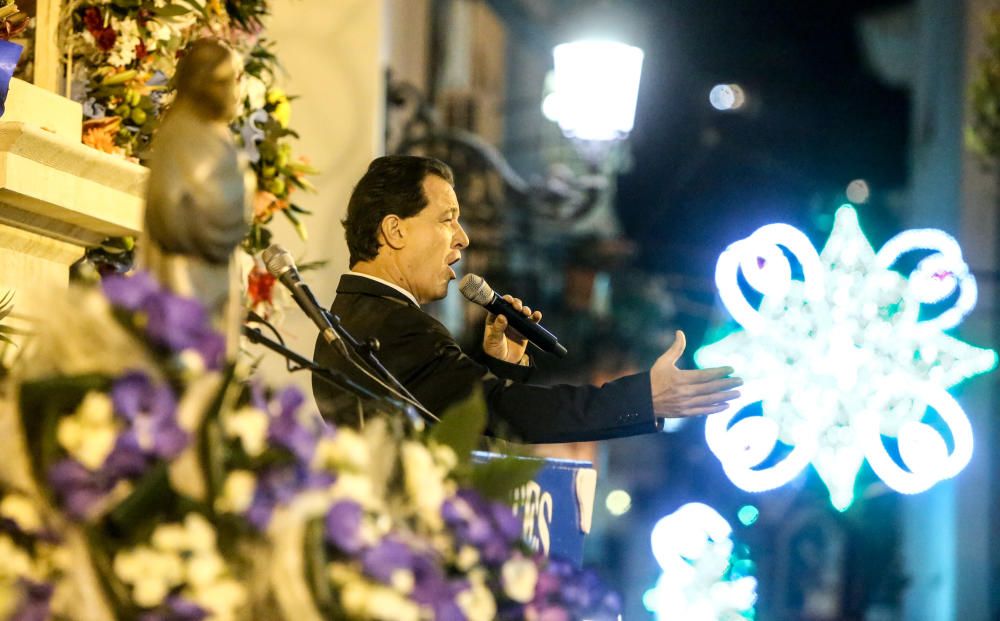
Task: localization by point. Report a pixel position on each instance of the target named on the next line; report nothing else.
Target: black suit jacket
(422, 354)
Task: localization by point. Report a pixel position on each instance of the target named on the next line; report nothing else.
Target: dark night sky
(817, 119)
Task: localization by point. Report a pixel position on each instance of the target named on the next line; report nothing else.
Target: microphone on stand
(475, 289)
(281, 265)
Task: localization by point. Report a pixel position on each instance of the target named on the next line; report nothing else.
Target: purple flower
(134, 394)
(343, 526)
(126, 460)
(287, 431)
(35, 606)
(177, 609)
(488, 526)
(278, 485)
(151, 410)
(387, 556)
(175, 322)
(78, 489)
(129, 292)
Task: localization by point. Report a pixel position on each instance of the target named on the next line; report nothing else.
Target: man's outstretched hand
(678, 393)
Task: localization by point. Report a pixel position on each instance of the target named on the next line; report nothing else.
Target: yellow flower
(283, 113)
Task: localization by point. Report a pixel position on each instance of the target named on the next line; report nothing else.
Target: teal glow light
(694, 548)
(747, 515)
(841, 359)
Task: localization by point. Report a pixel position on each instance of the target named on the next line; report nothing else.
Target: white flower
(19, 509)
(477, 603)
(445, 456)
(467, 558)
(254, 91)
(424, 482)
(96, 409)
(402, 580)
(365, 600)
(204, 569)
(123, 52)
(89, 434)
(237, 492)
(221, 598)
(345, 450)
(16, 562)
(519, 576)
(194, 535)
(249, 424)
(152, 573)
(354, 487)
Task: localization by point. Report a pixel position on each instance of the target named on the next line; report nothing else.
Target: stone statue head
(207, 78)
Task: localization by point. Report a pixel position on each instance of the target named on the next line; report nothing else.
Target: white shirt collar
(389, 284)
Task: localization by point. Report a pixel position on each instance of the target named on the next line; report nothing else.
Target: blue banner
(10, 53)
(555, 507)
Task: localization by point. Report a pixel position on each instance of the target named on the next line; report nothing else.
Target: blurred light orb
(727, 97)
(595, 87)
(747, 515)
(618, 502)
(858, 191)
(694, 548)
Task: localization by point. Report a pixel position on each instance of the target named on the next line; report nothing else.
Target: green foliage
(982, 135)
(462, 425)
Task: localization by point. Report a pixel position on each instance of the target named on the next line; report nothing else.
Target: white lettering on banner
(535, 507)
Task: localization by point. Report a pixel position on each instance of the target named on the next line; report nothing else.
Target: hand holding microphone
(510, 325)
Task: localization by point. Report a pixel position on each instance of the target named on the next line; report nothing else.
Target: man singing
(403, 236)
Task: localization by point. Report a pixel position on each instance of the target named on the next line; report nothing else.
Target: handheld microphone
(475, 289)
(281, 265)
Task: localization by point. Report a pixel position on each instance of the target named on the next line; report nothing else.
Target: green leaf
(462, 425)
(498, 478)
(151, 496)
(172, 10)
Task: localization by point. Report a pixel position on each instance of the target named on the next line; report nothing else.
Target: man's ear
(391, 230)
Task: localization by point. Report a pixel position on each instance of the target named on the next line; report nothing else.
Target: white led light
(842, 359)
(595, 88)
(693, 548)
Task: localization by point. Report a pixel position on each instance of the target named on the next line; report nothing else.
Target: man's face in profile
(433, 242)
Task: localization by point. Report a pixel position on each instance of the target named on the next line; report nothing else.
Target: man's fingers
(536, 316)
(705, 388)
(701, 376)
(706, 409)
(713, 398)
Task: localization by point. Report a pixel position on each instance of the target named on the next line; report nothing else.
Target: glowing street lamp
(596, 84)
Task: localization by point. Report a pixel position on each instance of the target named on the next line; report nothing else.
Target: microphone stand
(335, 379)
(366, 351)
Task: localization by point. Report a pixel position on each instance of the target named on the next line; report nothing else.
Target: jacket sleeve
(425, 357)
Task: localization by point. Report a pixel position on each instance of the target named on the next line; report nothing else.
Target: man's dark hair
(394, 184)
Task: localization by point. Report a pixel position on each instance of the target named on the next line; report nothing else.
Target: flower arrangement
(123, 55)
(191, 491)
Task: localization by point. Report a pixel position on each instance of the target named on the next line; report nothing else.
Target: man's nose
(462, 238)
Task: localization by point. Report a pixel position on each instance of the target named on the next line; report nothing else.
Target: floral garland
(204, 495)
(123, 54)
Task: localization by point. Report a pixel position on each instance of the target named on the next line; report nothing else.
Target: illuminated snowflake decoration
(703, 579)
(842, 363)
